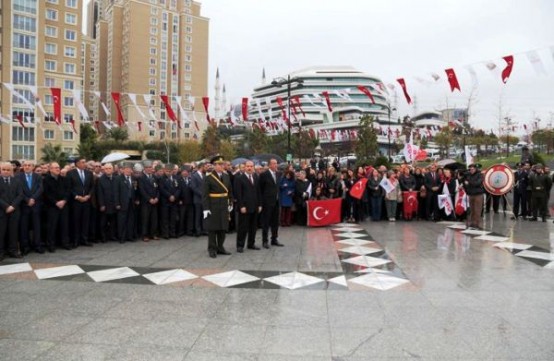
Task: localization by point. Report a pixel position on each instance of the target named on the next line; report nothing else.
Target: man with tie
(80, 186)
(217, 203)
(249, 204)
(107, 204)
(125, 194)
(521, 178)
(56, 195)
(269, 186)
(149, 199)
(170, 191)
(11, 196)
(186, 207)
(197, 187)
(31, 209)
(432, 183)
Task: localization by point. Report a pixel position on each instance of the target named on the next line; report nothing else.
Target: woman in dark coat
(301, 195)
(376, 195)
(286, 194)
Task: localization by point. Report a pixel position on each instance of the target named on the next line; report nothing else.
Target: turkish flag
(116, 100)
(508, 69)
(366, 91)
(357, 190)
(206, 103)
(57, 100)
(323, 213)
(327, 100)
(170, 112)
(452, 79)
(421, 155)
(410, 204)
(244, 108)
(402, 83)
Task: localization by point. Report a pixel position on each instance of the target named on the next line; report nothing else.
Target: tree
(117, 134)
(211, 141)
(444, 139)
(543, 137)
(88, 147)
(366, 146)
(254, 142)
(303, 145)
(227, 149)
(53, 153)
(190, 150)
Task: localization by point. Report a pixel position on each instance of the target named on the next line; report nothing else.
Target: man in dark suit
(149, 198)
(432, 184)
(31, 209)
(170, 191)
(106, 201)
(125, 194)
(249, 204)
(521, 178)
(80, 183)
(186, 207)
(11, 196)
(197, 187)
(56, 195)
(217, 199)
(269, 186)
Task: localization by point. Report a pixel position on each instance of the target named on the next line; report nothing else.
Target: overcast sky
(392, 39)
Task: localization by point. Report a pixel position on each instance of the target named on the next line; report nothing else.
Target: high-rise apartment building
(149, 48)
(40, 46)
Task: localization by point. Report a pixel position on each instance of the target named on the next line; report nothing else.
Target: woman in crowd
(301, 195)
(449, 186)
(318, 195)
(391, 198)
(375, 195)
(421, 193)
(349, 201)
(286, 194)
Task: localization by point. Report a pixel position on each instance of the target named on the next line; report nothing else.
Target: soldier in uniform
(539, 183)
(520, 191)
(170, 191)
(216, 201)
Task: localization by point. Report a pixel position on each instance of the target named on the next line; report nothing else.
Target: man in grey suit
(197, 186)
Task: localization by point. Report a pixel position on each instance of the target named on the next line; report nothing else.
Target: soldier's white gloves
(206, 214)
(230, 209)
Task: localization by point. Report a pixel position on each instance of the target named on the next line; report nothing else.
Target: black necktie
(6, 181)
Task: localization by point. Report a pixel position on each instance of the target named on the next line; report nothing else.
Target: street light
(288, 81)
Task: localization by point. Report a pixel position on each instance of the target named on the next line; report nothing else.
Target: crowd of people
(46, 207)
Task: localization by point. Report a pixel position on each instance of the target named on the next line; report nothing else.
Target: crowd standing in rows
(46, 207)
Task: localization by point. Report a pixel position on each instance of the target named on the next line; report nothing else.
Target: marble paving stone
(170, 276)
(293, 280)
(457, 226)
(106, 331)
(356, 242)
(169, 333)
(45, 273)
(15, 268)
(351, 235)
(348, 229)
(452, 223)
(366, 261)
(211, 356)
(147, 353)
(510, 246)
(536, 255)
(22, 350)
(475, 232)
(492, 238)
(360, 250)
(231, 278)
(549, 266)
(231, 339)
(340, 280)
(112, 274)
(42, 329)
(297, 341)
(77, 351)
(379, 281)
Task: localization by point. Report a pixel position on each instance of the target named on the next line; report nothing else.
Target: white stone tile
(231, 278)
(361, 250)
(356, 242)
(169, 276)
(15, 268)
(379, 281)
(457, 226)
(475, 232)
(549, 266)
(367, 261)
(293, 280)
(348, 229)
(351, 235)
(340, 280)
(492, 238)
(536, 255)
(511, 246)
(453, 223)
(112, 274)
(374, 270)
(347, 225)
(61, 271)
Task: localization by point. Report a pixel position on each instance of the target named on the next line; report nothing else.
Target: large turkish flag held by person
(357, 190)
(323, 213)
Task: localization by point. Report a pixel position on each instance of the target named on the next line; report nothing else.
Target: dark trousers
(9, 230)
(216, 240)
(376, 206)
(169, 220)
(270, 219)
(186, 219)
(432, 206)
(286, 216)
(80, 219)
(149, 213)
(94, 233)
(126, 223)
(247, 226)
(520, 201)
(30, 216)
(107, 226)
(539, 205)
(198, 218)
(57, 226)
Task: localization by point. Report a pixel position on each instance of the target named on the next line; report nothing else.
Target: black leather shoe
(213, 255)
(15, 255)
(224, 252)
(277, 244)
(265, 245)
(240, 250)
(25, 251)
(256, 248)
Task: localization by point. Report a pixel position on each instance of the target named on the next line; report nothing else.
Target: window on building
(188, 67)
(152, 81)
(50, 65)
(152, 61)
(67, 135)
(71, 4)
(51, 14)
(68, 102)
(49, 82)
(48, 99)
(153, 51)
(70, 35)
(25, 6)
(67, 118)
(153, 30)
(70, 18)
(69, 84)
(48, 134)
(50, 48)
(20, 134)
(51, 31)
(188, 29)
(153, 40)
(69, 68)
(23, 77)
(188, 39)
(152, 71)
(24, 41)
(24, 60)
(70, 52)
(23, 152)
(25, 23)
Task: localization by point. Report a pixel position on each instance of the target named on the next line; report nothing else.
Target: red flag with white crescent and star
(452, 79)
(402, 83)
(206, 103)
(57, 102)
(244, 108)
(327, 100)
(508, 69)
(366, 91)
(324, 213)
(170, 112)
(116, 100)
(357, 190)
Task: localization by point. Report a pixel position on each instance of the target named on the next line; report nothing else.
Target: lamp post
(280, 82)
(508, 124)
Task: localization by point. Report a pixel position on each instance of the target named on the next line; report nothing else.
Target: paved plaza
(370, 291)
